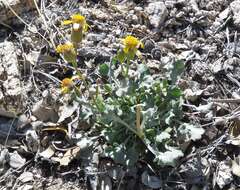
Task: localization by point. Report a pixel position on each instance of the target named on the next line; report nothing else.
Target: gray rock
(224, 14)
(96, 37)
(100, 54)
(148, 46)
(235, 7)
(9, 74)
(156, 53)
(157, 12)
(16, 161)
(170, 3)
(46, 109)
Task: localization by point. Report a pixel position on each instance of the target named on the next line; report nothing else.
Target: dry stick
(34, 81)
(52, 3)
(119, 185)
(227, 100)
(28, 26)
(56, 28)
(61, 65)
(223, 24)
(138, 119)
(221, 86)
(230, 77)
(45, 23)
(7, 26)
(49, 76)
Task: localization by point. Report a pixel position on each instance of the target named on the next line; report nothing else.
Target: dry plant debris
(122, 94)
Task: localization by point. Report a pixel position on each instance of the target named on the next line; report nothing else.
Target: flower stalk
(130, 49)
(78, 27)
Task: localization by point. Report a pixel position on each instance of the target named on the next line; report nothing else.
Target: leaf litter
(58, 138)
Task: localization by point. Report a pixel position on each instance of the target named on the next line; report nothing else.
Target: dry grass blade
(28, 25)
(45, 23)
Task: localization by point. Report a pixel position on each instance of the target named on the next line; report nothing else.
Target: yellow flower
(131, 45)
(68, 51)
(64, 48)
(78, 21)
(66, 85)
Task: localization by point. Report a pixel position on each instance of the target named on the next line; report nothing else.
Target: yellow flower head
(66, 85)
(68, 51)
(64, 48)
(131, 44)
(78, 20)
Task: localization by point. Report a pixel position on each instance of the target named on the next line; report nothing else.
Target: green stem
(119, 120)
(127, 67)
(77, 91)
(74, 63)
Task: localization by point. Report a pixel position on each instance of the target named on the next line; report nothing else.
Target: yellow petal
(67, 22)
(85, 27)
(67, 82)
(138, 53)
(62, 48)
(77, 18)
(141, 44)
(75, 77)
(64, 90)
(59, 49)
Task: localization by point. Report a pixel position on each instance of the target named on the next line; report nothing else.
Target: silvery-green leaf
(162, 136)
(147, 82)
(142, 68)
(169, 157)
(191, 132)
(121, 91)
(84, 143)
(86, 112)
(122, 155)
(176, 70)
(149, 112)
(205, 108)
(104, 69)
(169, 117)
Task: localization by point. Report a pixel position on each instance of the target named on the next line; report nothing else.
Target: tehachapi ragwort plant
(144, 114)
(139, 114)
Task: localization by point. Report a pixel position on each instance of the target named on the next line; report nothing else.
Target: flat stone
(157, 12)
(100, 55)
(11, 93)
(235, 7)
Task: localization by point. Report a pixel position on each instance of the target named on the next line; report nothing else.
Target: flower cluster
(66, 85)
(131, 45)
(79, 27)
(69, 50)
(78, 20)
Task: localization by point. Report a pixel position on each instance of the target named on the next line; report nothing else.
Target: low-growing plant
(143, 114)
(139, 113)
